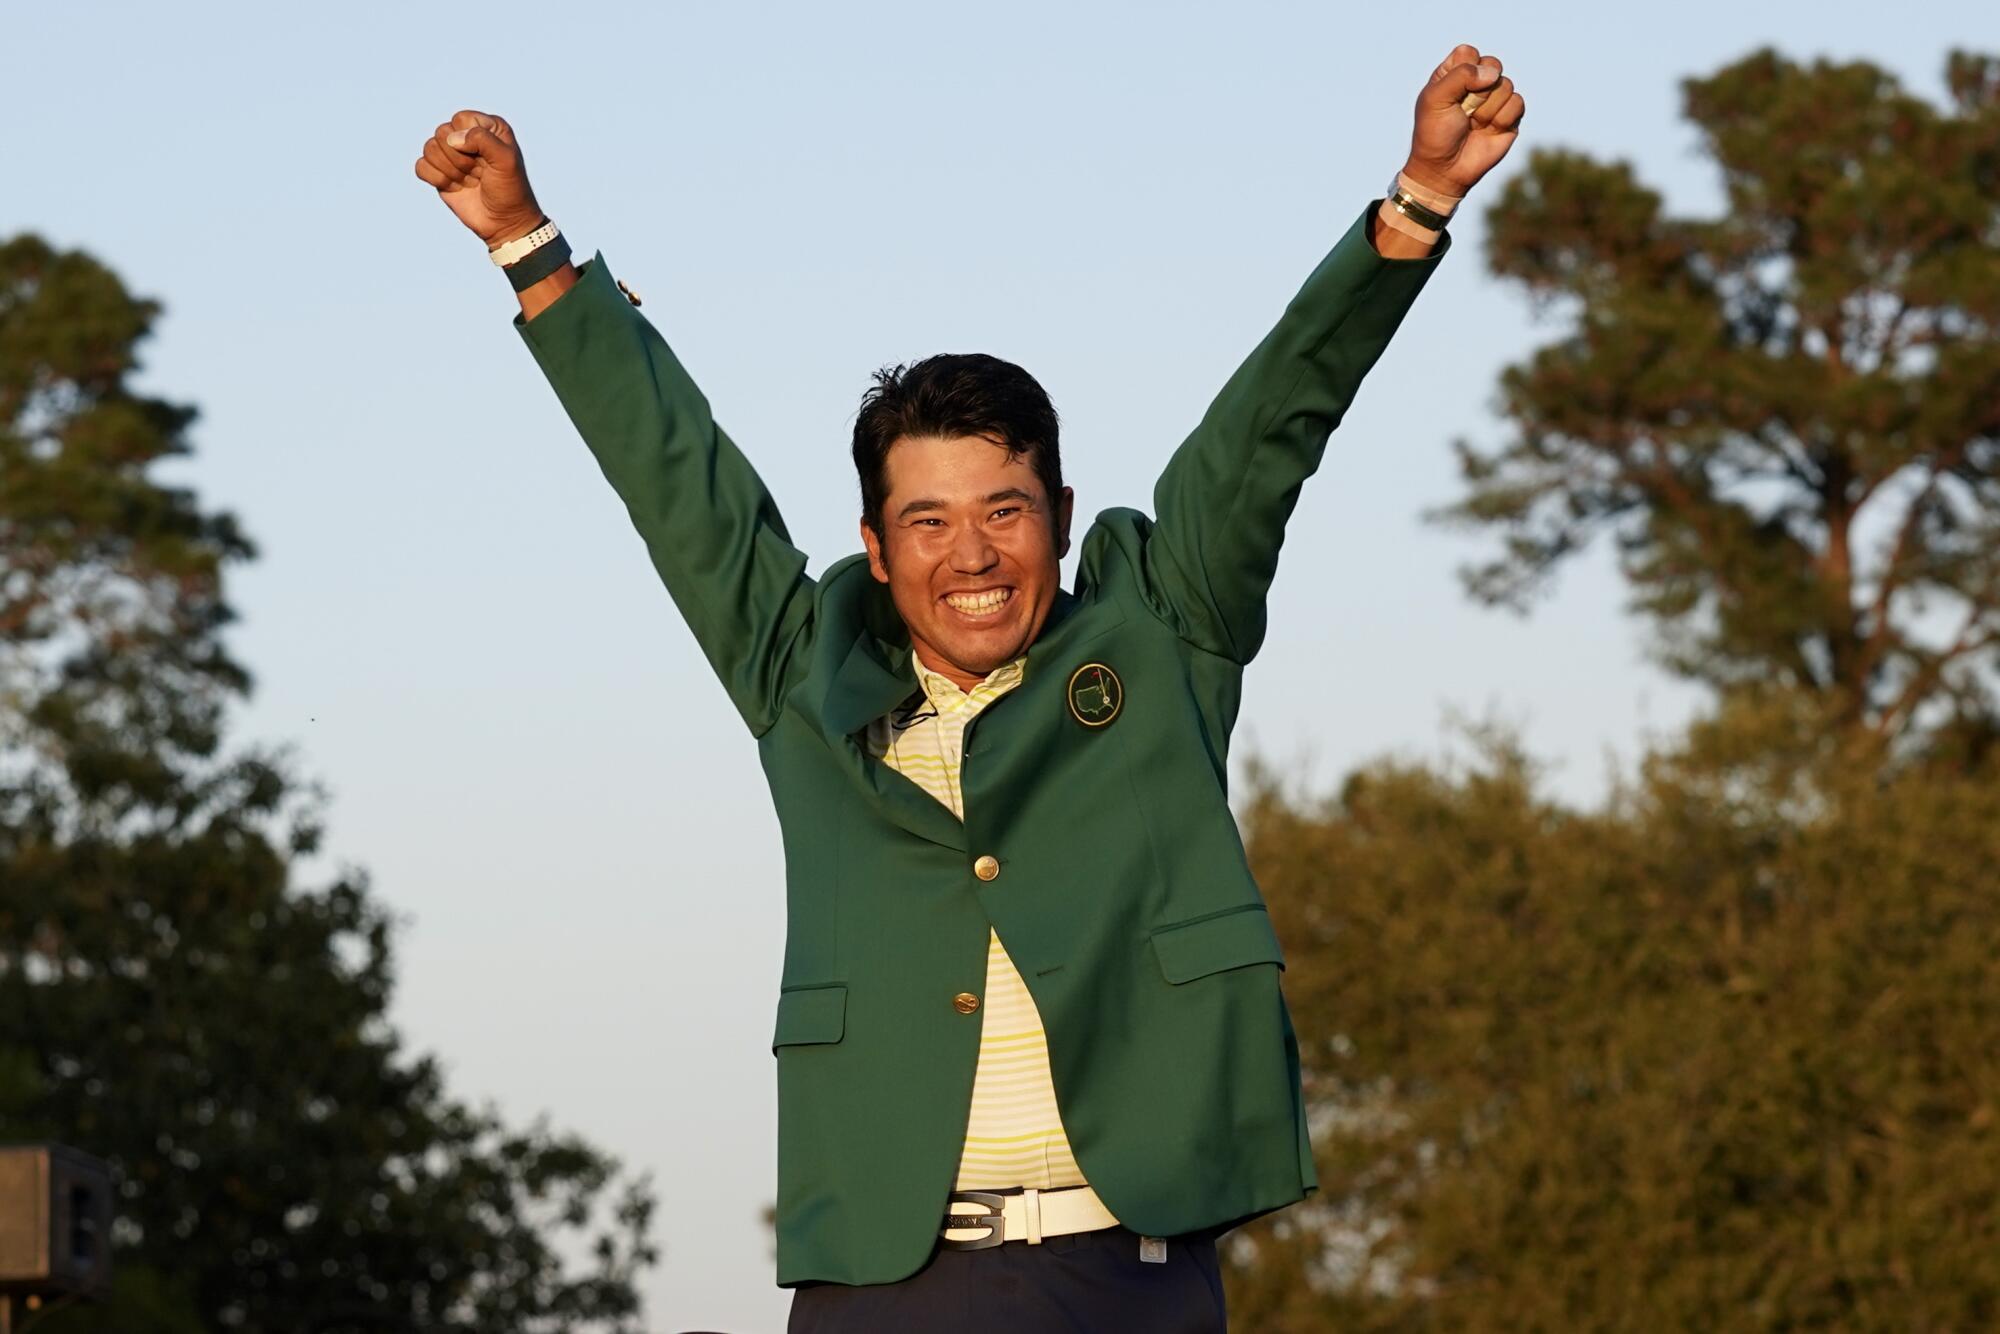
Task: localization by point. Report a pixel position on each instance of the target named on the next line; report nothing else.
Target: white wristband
(1389, 216)
(520, 247)
(1435, 200)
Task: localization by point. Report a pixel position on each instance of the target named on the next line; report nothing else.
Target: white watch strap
(520, 247)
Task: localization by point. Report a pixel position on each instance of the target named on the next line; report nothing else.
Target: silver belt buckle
(994, 1220)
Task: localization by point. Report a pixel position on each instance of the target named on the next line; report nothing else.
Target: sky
(452, 624)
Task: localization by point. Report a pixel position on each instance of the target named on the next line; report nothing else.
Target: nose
(971, 552)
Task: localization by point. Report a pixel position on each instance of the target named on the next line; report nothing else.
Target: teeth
(977, 602)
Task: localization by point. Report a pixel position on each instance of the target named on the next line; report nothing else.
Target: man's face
(970, 548)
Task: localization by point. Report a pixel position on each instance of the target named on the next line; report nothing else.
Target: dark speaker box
(55, 1220)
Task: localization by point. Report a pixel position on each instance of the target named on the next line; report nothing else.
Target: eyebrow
(1006, 493)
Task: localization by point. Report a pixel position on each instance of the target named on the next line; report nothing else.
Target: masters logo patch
(1095, 694)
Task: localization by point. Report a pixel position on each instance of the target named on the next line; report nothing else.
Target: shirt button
(965, 1002)
(986, 868)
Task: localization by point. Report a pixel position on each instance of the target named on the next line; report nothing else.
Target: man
(1032, 1053)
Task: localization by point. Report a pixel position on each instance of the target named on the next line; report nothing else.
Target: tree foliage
(1717, 1055)
(1691, 1062)
(1787, 418)
(171, 997)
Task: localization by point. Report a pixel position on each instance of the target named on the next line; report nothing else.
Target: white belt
(977, 1219)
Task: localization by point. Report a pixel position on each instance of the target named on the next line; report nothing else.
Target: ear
(1065, 506)
(877, 565)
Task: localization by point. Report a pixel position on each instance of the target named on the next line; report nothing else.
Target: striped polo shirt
(1014, 1136)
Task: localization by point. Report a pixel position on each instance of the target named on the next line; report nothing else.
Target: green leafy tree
(171, 997)
(1717, 1055)
(1689, 1062)
(1786, 418)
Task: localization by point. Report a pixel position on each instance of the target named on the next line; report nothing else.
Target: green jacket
(1123, 897)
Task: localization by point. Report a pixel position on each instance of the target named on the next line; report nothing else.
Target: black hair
(949, 395)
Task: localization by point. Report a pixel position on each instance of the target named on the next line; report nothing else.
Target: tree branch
(1878, 634)
(1927, 677)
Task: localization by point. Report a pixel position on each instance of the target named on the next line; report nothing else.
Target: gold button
(986, 868)
(630, 295)
(966, 1002)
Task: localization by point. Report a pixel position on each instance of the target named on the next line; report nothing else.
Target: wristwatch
(1421, 214)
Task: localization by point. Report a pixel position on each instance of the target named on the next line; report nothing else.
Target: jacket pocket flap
(810, 1014)
(1207, 945)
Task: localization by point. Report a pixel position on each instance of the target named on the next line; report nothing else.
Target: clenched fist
(476, 166)
(1449, 148)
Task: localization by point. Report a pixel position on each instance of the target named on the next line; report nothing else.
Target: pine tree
(1786, 418)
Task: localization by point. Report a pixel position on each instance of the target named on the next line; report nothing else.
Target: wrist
(533, 257)
(1414, 211)
(517, 229)
(538, 298)
(1431, 187)
(1394, 236)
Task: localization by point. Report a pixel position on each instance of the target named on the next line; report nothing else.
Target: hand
(1449, 150)
(476, 166)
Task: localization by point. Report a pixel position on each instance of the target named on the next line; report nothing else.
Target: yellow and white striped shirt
(1015, 1135)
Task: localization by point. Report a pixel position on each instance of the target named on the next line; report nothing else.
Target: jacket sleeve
(1224, 498)
(710, 526)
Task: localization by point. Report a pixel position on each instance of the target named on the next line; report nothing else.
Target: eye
(1010, 509)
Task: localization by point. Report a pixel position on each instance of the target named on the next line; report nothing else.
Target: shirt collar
(942, 689)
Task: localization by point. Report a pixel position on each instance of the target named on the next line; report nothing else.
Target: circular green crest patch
(1096, 695)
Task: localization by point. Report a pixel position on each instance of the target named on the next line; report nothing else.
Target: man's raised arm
(1224, 499)
(708, 522)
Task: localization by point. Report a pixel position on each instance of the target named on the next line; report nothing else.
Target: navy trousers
(1078, 1283)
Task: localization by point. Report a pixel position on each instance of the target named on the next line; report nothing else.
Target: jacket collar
(874, 675)
(878, 671)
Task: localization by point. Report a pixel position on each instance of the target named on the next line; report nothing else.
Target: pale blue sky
(451, 619)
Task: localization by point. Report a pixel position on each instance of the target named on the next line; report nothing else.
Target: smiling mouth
(988, 602)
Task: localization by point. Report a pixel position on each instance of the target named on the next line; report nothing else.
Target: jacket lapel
(872, 679)
(874, 676)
